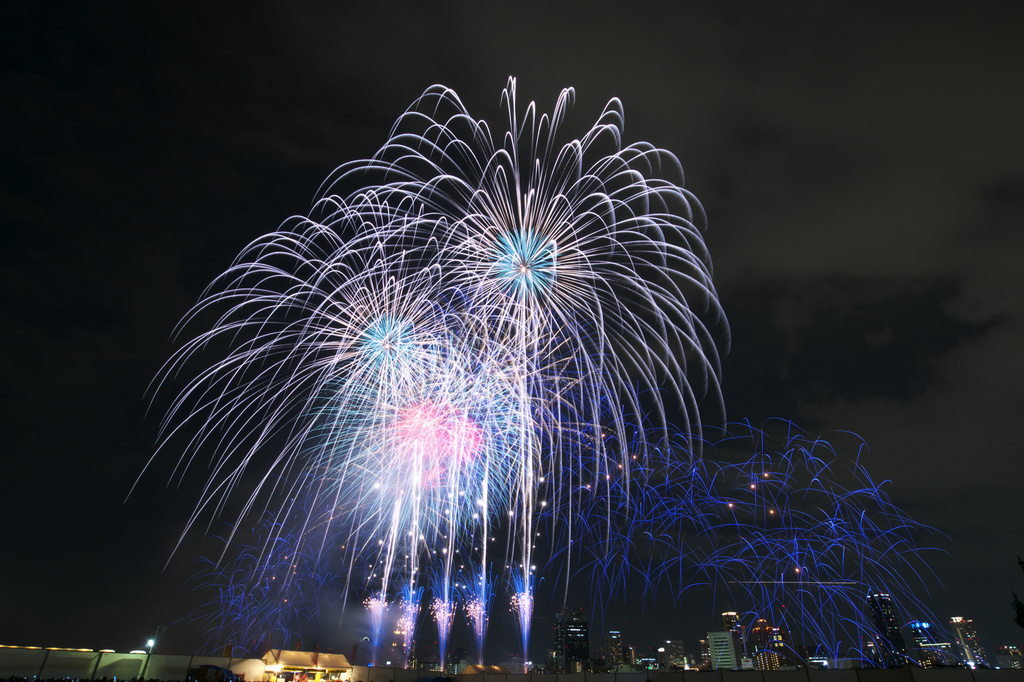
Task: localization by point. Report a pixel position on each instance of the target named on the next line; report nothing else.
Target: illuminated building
(872, 654)
(514, 661)
(613, 657)
(767, 646)
(705, 655)
(731, 623)
(572, 640)
(292, 665)
(1009, 657)
(779, 645)
(967, 640)
(457, 659)
(889, 643)
(479, 669)
(675, 656)
(395, 651)
(766, 660)
(649, 662)
(724, 650)
(929, 649)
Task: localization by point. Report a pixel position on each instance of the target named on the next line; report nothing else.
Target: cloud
(800, 343)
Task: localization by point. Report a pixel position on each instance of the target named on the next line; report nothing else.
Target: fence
(64, 664)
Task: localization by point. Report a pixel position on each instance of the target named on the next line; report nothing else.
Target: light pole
(148, 651)
(150, 643)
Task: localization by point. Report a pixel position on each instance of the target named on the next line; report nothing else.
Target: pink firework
(437, 440)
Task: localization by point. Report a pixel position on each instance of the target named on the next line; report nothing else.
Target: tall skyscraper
(930, 647)
(968, 642)
(395, 652)
(767, 646)
(724, 650)
(731, 623)
(760, 635)
(871, 653)
(780, 644)
(572, 640)
(613, 657)
(705, 655)
(889, 643)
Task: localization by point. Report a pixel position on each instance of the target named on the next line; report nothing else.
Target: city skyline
(861, 220)
(931, 644)
(963, 648)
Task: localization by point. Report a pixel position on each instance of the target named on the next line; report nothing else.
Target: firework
(584, 255)
(474, 333)
(476, 599)
(264, 594)
(411, 599)
(522, 602)
(581, 257)
(443, 611)
(790, 526)
(462, 317)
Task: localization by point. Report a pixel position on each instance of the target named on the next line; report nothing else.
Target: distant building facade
(613, 655)
(871, 653)
(731, 623)
(705, 654)
(394, 651)
(724, 650)
(572, 640)
(931, 648)
(890, 646)
(1009, 657)
(675, 655)
(967, 640)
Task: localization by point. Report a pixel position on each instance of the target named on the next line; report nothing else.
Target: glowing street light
(150, 643)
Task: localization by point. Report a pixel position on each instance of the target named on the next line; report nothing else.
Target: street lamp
(149, 652)
(150, 643)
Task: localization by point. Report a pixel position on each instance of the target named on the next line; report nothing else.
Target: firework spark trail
(581, 245)
(446, 457)
(443, 609)
(796, 531)
(474, 593)
(476, 608)
(522, 603)
(582, 255)
(479, 331)
(361, 352)
(411, 598)
(376, 607)
(462, 314)
(264, 595)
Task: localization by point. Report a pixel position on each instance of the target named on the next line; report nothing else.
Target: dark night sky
(862, 169)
